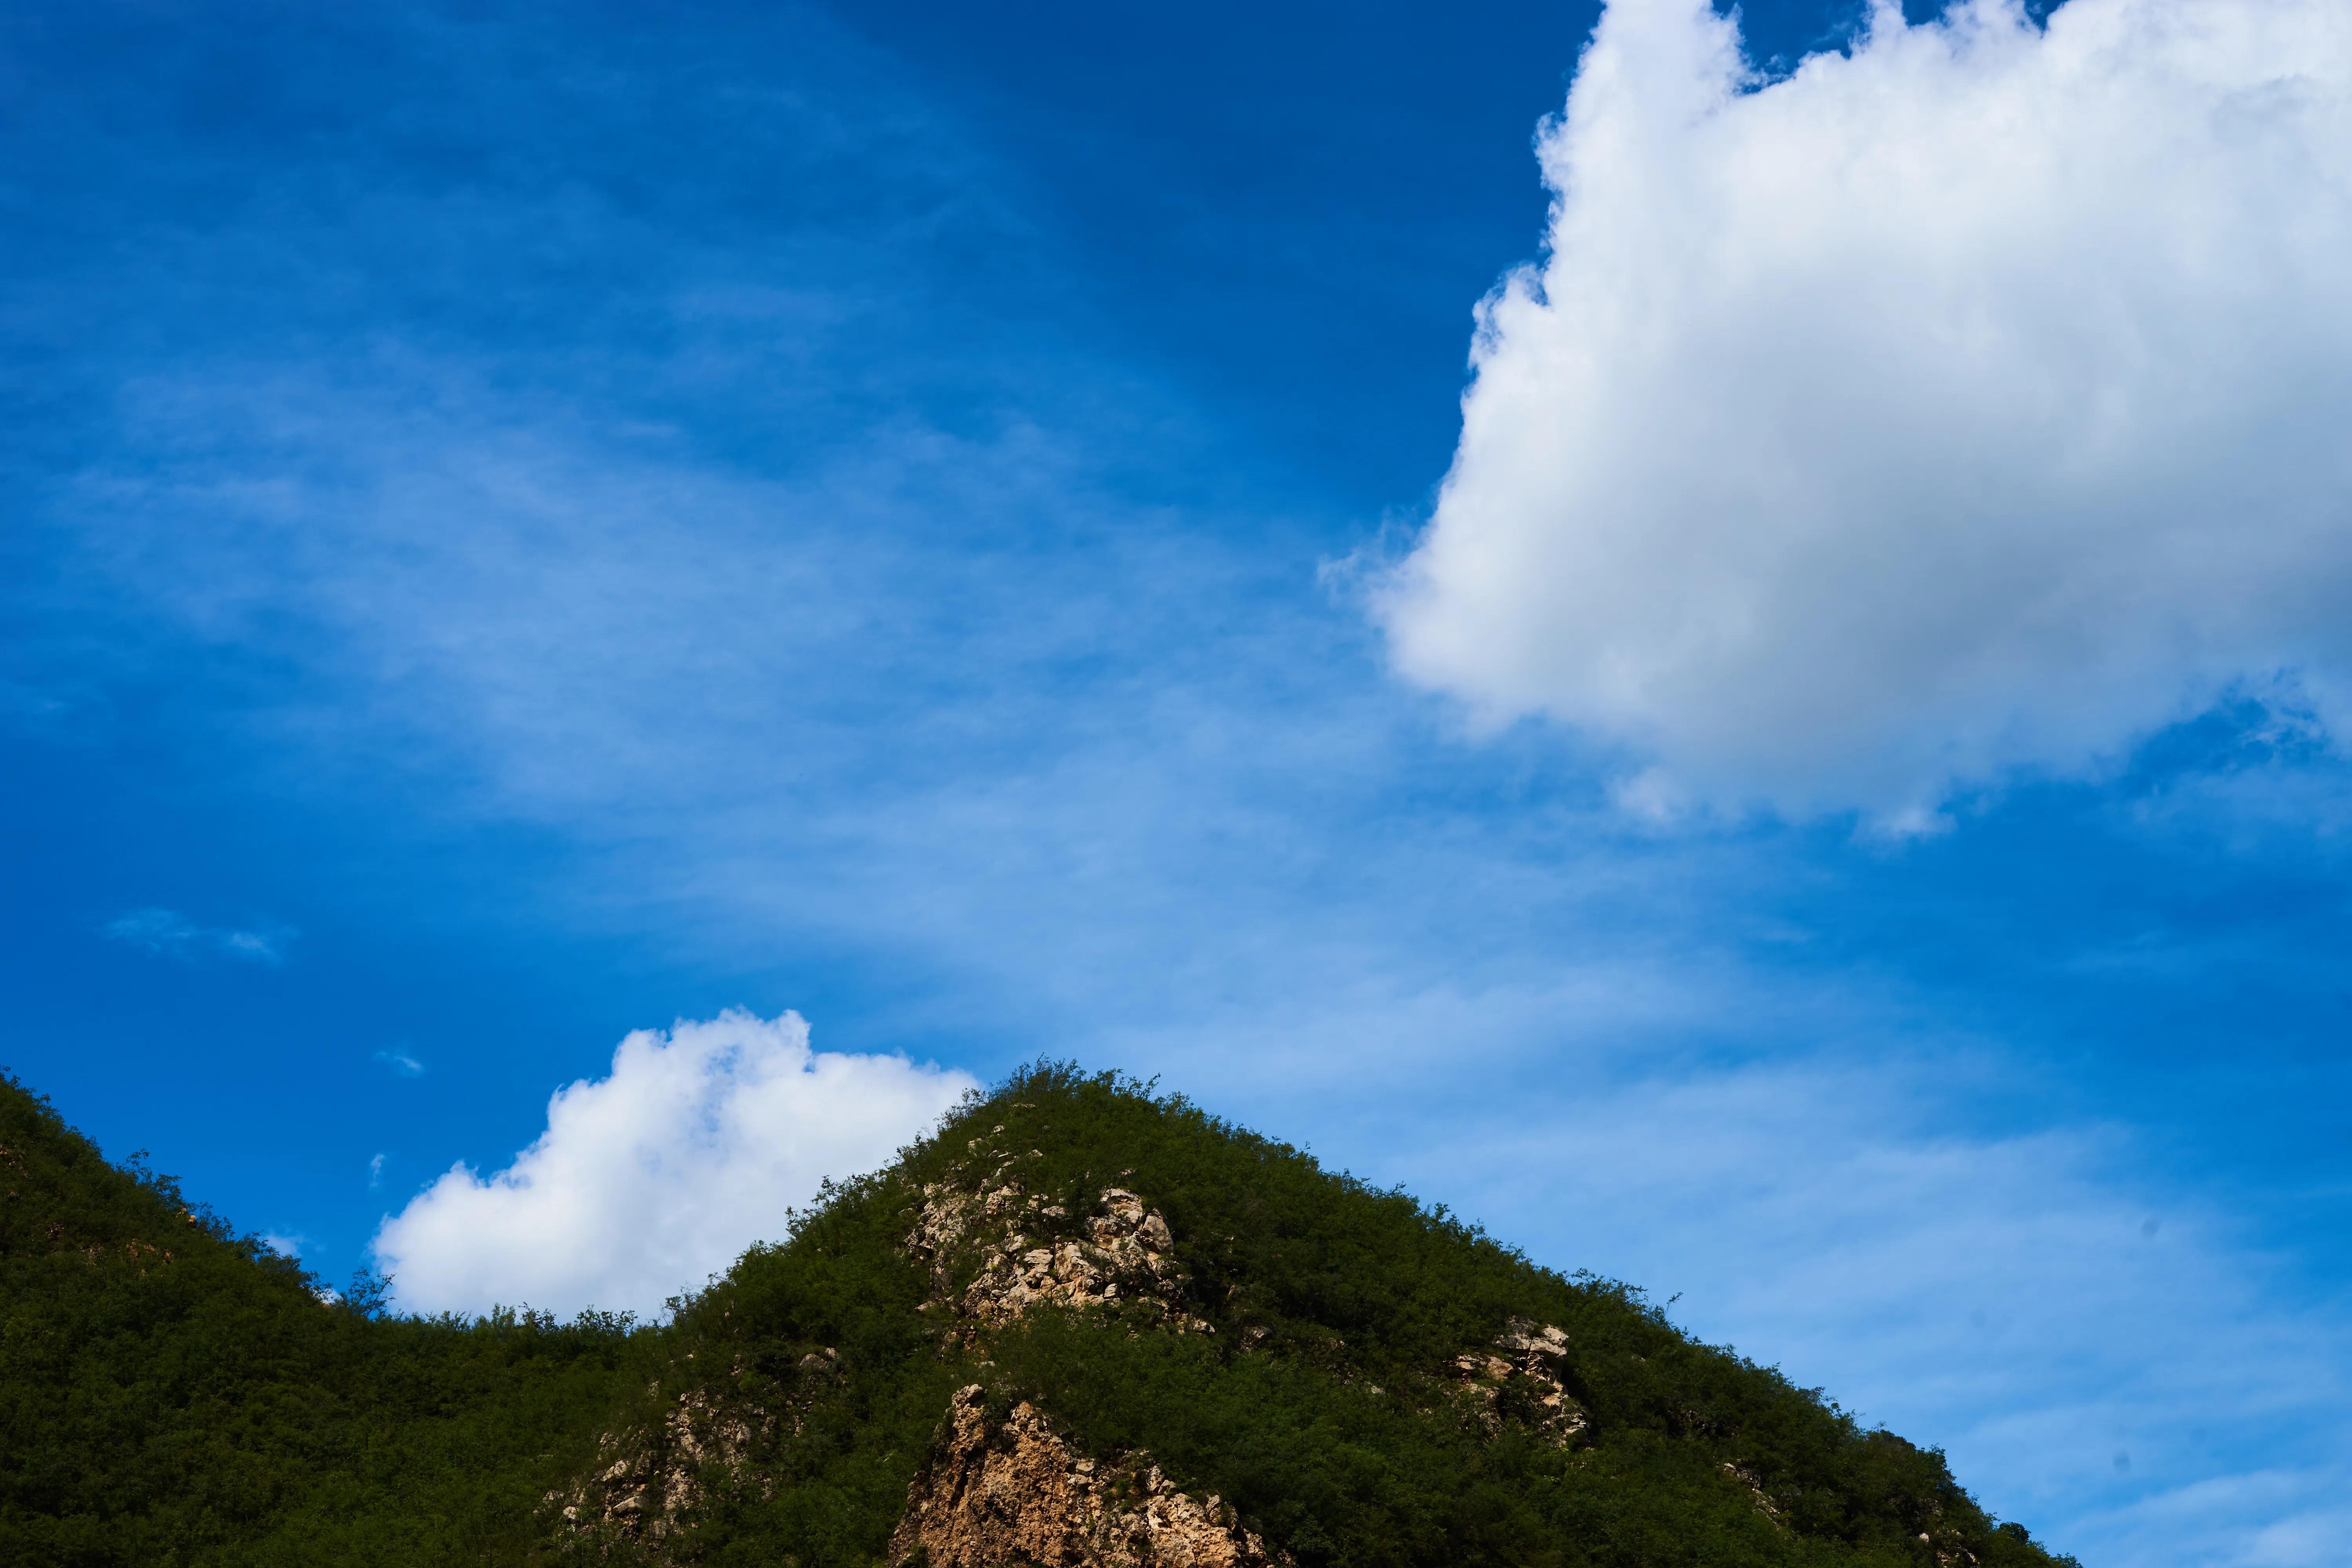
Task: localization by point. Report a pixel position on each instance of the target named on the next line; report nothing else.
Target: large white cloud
(1973, 401)
(648, 1181)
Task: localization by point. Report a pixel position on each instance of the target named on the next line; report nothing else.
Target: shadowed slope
(173, 1394)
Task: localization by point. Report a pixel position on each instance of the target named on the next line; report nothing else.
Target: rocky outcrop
(1536, 1352)
(996, 1494)
(1015, 1251)
(651, 1478)
(1756, 1492)
(1014, 1492)
(1121, 1255)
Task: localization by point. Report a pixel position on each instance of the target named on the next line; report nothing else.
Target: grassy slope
(214, 1410)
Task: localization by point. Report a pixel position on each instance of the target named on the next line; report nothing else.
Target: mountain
(1081, 1324)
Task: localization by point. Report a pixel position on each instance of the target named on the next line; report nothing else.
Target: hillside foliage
(173, 1394)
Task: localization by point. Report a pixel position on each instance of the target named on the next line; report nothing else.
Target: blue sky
(526, 524)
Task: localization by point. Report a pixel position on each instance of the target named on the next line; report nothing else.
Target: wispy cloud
(2003, 1293)
(402, 1063)
(168, 934)
(375, 1171)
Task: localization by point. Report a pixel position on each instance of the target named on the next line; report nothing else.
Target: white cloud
(171, 934)
(1972, 402)
(401, 1063)
(648, 1181)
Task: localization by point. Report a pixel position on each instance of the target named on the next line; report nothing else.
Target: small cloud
(402, 1063)
(1653, 797)
(156, 931)
(375, 1172)
(284, 1246)
(1907, 822)
(170, 934)
(261, 946)
(701, 1140)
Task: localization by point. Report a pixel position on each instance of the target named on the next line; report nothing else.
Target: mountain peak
(1082, 1324)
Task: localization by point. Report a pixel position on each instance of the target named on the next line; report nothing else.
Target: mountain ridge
(1080, 1323)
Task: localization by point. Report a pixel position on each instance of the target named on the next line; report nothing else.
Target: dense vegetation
(172, 1393)
(214, 1409)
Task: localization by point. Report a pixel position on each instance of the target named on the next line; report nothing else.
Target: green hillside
(172, 1393)
(1345, 1376)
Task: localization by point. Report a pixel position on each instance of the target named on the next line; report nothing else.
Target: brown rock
(652, 1488)
(1533, 1350)
(995, 1496)
(1123, 1256)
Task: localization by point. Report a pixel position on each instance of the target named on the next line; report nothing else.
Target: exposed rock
(651, 1479)
(995, 1495)
(1016, 1492)
(1755, 1485)
(1122, 1254)
(1535, 1352)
